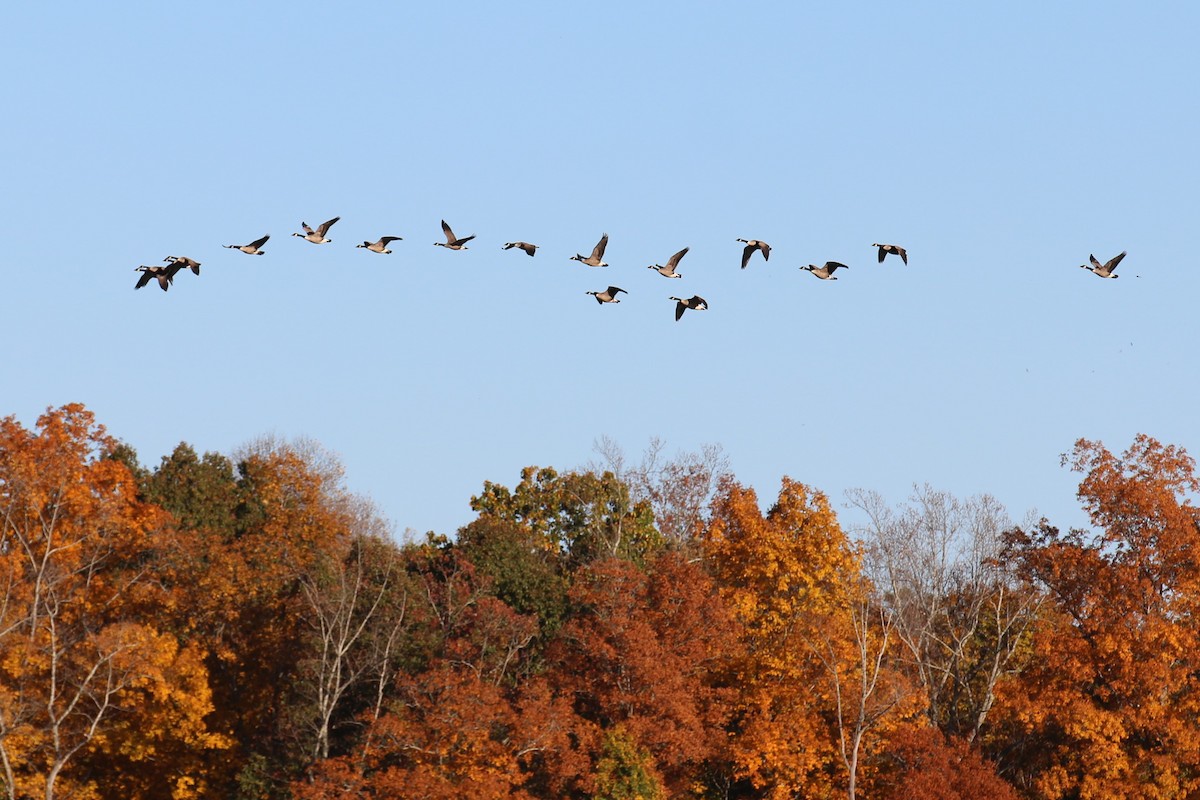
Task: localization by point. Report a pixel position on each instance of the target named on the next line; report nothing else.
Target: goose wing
(832, 266)
(449, 233)
(463, 240)
(697, 301)
(307, 229)
(386, 240)
(1112, 264)
(680, 307)
(747, 251)
(673, 261)
(612, 291)
(903, 255)
(882, 253)
(1095, 262)
(766, 250)
(144, 279)
(598, 250)
(325, 226)
(257, 243)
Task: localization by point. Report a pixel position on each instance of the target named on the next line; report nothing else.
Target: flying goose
(669, 270)
(529, 249)
(695, 302)
(453, 243)
(609, 295)
(891, 249)
(165, 275)
(252, 248)
(1106, 270)
(825, 272)
(597, 256)
(381, 245)
(751, 246)
(183, 262)
(317, 236)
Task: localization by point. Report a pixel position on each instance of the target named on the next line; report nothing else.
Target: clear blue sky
(1000, 144)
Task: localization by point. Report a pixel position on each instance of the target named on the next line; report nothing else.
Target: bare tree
(355, 611)
(679, 489)
(959, 612)
(856, 665)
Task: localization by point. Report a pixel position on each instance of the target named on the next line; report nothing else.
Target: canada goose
(597, 256)
(381, 245)
(453, 243)
(751, 246)
(825, 272)
(695, 302)
(669, 270)
(609, 295)
(529, 249)
(184, 263)
(1106, 270)
(252, 248)
(317, 236)
(165, 275)
(895, 249)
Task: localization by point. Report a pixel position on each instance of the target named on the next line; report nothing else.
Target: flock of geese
(165, 273)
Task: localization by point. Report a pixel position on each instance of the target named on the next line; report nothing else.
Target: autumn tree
(648, 651)
(246, 552)
(85, 675)
(1108, 706)
(922, 763)
(452, 726)
(794, 581)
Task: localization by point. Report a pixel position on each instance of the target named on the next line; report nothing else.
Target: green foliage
(580, 516)
(201, 493)
(626, 771)
(523, 575)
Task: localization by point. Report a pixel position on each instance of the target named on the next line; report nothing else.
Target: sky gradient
(1000, 144)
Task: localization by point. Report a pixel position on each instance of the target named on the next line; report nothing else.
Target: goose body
(668, 271)
(751, 246)
(251, 249)
(382, 245)
(596, 259)
(529, 249)
(695, 302)
(183, 262)
(886, 250)
(164, 274)
(317, 236)
(1106, 270)
(826, 271)
(609, 295)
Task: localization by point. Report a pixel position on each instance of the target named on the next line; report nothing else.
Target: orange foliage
(80, 680)
(925, 765)
(647, 653)
(794, 582)
(1109, 702)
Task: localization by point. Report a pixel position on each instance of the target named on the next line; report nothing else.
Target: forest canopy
(244, 626)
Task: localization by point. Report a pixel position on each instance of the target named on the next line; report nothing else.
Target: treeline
(246, 628)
